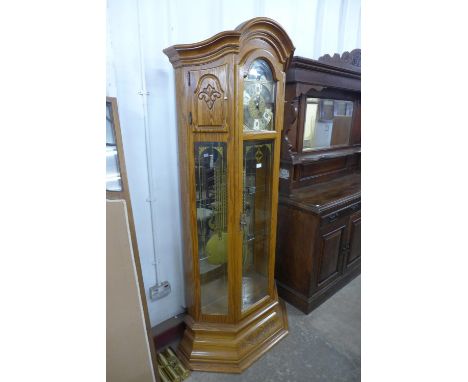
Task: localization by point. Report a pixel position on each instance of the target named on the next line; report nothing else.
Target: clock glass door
(212, 229)
(257, 180)
(256, 219)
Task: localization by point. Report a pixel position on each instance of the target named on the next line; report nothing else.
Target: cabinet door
(354, 254)
(213, 236)
(212, 180)
(209, 90)
(329, 252)
(260, 121)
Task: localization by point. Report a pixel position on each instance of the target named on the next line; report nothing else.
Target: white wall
(137, 32)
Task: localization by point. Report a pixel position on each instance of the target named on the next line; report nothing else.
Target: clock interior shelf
(214, 294)
(253, 286)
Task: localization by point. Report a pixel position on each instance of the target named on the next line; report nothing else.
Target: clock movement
(230, 100)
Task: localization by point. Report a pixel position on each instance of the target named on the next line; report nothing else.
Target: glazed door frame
(217, 133)
(240, 137)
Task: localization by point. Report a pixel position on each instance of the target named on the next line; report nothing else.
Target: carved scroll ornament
(211, 92)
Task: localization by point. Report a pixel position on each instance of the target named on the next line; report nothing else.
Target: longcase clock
(230, 99)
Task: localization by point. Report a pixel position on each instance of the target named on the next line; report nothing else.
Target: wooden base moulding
(232, 348)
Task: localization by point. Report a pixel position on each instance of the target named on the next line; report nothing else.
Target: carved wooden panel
(317, 169)
(354, 239)
(289, 143)
(209, 88)
(356, 133)
(348, 60)
(260, 333)
(329, 253)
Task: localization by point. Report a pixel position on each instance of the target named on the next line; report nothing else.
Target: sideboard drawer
(335, 215)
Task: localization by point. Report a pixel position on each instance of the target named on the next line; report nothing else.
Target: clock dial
(259, 97)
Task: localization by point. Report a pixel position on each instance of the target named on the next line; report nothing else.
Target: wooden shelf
(314, 156)
(321, 197)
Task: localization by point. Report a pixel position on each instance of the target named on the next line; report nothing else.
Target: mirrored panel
(110, 134)
(113, 178)
(259, 98)
(327, 123)
(256, 220)
(212, 207)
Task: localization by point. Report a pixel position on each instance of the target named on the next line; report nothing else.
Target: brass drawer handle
(332, 217)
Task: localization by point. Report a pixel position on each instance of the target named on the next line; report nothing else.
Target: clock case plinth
(232, 348)
(209, 100)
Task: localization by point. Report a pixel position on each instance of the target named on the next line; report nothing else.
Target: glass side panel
(212, 209)
(327, 123)
(113, 179)
(259, 98)
(256, 220)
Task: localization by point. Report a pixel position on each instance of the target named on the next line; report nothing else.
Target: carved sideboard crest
(347, 59)
(211, 91)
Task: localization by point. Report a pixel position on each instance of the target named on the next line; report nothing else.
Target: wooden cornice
(305, 73)
(204, 51)
(228, 42)
(325, 67)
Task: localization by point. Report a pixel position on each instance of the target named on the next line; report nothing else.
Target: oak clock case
(230, 99)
